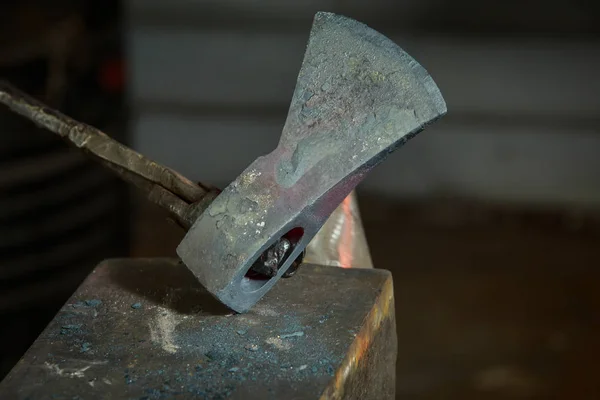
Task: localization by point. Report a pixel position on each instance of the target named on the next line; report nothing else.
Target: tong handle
(163, 186)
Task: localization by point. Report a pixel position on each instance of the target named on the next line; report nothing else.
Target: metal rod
(98, 144)
(163, 186)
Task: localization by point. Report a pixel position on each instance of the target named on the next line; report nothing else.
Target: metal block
(145, 329)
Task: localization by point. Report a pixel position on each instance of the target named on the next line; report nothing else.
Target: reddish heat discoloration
(382, 310)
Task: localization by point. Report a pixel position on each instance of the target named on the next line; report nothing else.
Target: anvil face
(144, 328)
(358, 97)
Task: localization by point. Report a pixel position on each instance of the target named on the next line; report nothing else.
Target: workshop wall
(213, 80)
(60, 212)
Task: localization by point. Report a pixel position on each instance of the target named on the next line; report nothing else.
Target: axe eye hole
(267, 265)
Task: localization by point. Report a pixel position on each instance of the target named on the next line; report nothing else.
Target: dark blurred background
(488, 220)
(59, 213)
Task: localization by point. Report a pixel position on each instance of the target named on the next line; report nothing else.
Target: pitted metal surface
(145, 329)
(358, 97)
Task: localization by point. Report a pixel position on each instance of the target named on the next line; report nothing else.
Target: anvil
(146, 329)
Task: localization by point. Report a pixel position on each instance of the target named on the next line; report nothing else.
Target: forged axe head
(358, 97)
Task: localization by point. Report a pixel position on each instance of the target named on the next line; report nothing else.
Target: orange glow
(382, 310)
(345, 243)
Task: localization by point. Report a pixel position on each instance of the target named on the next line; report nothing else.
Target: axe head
(358, 97)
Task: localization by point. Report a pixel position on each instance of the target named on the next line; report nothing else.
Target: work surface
(145, 329)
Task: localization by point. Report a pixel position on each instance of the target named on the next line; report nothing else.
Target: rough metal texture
(145, 329)
(358, 97)
(183, 198)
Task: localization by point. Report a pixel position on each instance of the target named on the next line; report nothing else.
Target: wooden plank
(228, 69)
(499, 164)
(286, 9)
(534, 17)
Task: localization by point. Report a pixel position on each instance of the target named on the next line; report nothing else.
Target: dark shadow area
(470, 18)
